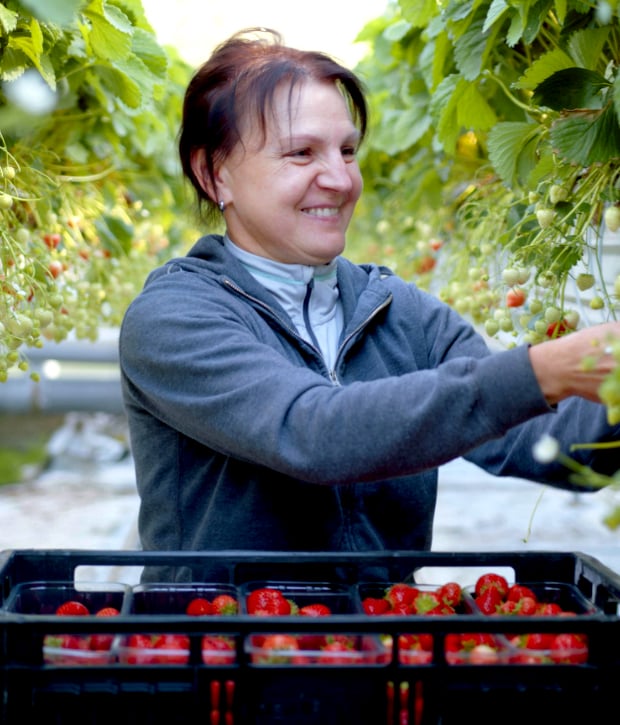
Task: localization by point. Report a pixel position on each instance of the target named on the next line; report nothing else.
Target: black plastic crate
(379, 692)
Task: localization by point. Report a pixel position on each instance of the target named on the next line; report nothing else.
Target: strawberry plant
(496, 150)
(89, 108)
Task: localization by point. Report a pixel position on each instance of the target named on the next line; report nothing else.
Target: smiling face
(290, 195)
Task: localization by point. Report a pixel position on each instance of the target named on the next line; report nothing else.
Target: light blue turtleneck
(309, 295)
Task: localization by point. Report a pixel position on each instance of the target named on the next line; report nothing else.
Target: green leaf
(443, 110)
(115, 84)
(515, 30)
(586, 46)
(419, 12)
(115, 234)
(560, 10)
(8, 20)
(543, 67)
(60, 12)
(147, 49)
(473, 111)
(510, 149)
(587, 137)
(110, 34)
(401, 129)
(471, 50)
(496, 9)
(571, 88)
(397, 31)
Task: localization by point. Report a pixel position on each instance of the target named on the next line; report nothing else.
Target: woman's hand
(577, 363)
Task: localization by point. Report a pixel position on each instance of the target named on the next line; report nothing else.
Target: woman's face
(291, 197)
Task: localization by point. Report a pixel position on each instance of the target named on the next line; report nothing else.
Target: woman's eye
(300, 153)
(349, 151)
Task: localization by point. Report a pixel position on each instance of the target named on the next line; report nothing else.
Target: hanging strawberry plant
(495, 160)
(89, 184)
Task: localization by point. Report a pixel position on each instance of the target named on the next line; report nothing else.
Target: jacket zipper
(332, 373)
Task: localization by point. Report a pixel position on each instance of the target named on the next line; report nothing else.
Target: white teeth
(323, 211)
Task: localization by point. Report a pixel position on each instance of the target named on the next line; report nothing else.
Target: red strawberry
(199, 607)
(172, 648)
(267, 601)
(335, 652)
(569, 649)
(537, 641)
(547, 609)
(489, 600)
(218, 649)
(225, 604)
(415, 649)
(492, 579)
(108, 612)
(375, 605)
(102, 641)
(315, 610)
(526, 606)
(400, 593)
(518, 591)
(451, 593)
(72, 608)
(280, 648)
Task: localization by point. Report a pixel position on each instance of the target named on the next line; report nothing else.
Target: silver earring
(221, 206)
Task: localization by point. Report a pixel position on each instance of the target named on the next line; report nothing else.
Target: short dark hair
(240, 78)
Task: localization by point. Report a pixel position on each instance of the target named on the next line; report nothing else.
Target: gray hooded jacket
(243, 439)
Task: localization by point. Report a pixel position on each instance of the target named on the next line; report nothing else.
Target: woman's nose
(337, 173)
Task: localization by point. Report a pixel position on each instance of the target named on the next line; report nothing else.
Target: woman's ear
(198, 163)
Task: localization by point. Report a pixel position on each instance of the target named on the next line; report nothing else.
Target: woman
(279, 396)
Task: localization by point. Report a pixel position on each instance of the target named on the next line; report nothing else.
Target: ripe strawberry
(515, 297)
(569, 649)
(172, 648)
(546, 609)
(267, 601)
(336, 652)
(536, 640)
(72, 608)
(315, 610)
(415, 649)
(107, 612)
(400, 594)
(225, 604)
(491, 579)
(375, 605)
(556, 329)
(139, 650)
(51, 240)
(279, 648)
(102, 641)
(489, 600)
(451, 593)
(218, 649)
(199, 607)
(518, 591)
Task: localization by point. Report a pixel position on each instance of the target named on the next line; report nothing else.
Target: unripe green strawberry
(597, 303)
(557, 193)
(612, 218)
(491, 327)
(585, 281)
(545, 217)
